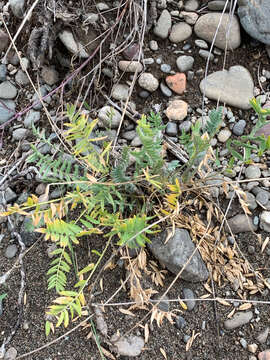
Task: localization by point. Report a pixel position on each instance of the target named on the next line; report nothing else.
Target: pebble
(171, 129)
(177, 110)
(153, 45)
(201, 44)
(136, 141)
(191, 5)
(17, 7)
(10, 195)
(120, 91)
(234, 86)
(7, 90)
(32, 117)
(241, 223)
(189, 294)
(109, 117)
(251, 201)
(21, 78)
(19, 134)
(144, 94)
(129, 135)
(254, 19)
(180, 32)
(206, 26)
(251, 249)
(7, 110)
(205, 54)
(165, 90)
(224, 135)
(177, 82)
(71, 44)
(265, 220)
(186, 338)
(49, 75)
(190, 17)
(11, 354)
(237, 320)
(164, 304)
(180, 322)
(3, 72)
(252, 172)
(239, 127)
(264, 355)
(163, 25)
(128, 345)
(262, 197)
(262, 336)
(184, 63)
(252, 348)
(102, 6)
(149, 61)
(11, 251)
(166, 68)
(148, 82)
(130, 66)
(218, 5)
(185, 125)
(243, 343)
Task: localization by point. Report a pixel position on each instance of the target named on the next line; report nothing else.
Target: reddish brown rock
(177, 82)
(132, 52)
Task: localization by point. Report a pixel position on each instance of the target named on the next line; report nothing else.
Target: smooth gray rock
(21, 78)
(9, 195)
(163, 25)
(180, 322)
(32, 117)
(205, 54)
(201, 44)
(7, 90)
(265, 220)
(251, 201)
(238, 319)
(7, 110)
(11, 251)
(176, 252)
(206, 27)
(165, 90)
(191, 5)
(218, 5)
(171, 129)
(253, 172)
(180, 32)
(239, 127)
(234, 86)
(17, 7)
(19, 134)
(184, 63)
(109, 116)
(120, 91)
(129, 135)
(189, 294)
(241, 223)
(262, 197)
(254, 17)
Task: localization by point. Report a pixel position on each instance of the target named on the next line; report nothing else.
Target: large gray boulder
(175, 254)
(254, 17)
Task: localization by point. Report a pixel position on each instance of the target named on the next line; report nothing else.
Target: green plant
(258, 144)
(198, 142)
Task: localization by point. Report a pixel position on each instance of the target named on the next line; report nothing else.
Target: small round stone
(171, 129)
(148, 82)
(180, 322)
(239, 127)
(224, 135)
(165, 90)
(11, 251)
(184, 63)
(166, 68)
(177, 110)
(252, 172)
(144, 94)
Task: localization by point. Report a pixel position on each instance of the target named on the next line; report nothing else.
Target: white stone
(148, 82)
(180, 32)
(130, 66)
(265, 220)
